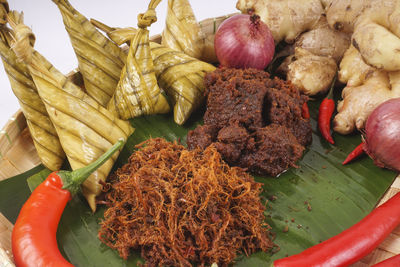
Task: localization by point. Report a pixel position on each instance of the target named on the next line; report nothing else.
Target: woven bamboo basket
(15, 140)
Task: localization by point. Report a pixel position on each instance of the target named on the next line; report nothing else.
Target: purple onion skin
(244, 41)
(382, 135)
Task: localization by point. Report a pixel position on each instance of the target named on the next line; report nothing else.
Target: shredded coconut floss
(181, 207)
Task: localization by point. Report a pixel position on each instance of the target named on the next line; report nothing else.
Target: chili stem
(73, 180)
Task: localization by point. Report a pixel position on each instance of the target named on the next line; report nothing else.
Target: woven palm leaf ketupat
(137, 92)
(43, 133)
(124, 35)
(86, 129)
(100, 60)
(180, 75)
(182, 32)
(117, 35)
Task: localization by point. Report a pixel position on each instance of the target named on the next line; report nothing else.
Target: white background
(53, 42)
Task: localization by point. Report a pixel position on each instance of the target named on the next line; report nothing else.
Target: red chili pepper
(305, 112)
(325, 112)
(34, 235)
(352, 244)
(358, 151)
(392, 261)
(324, 118)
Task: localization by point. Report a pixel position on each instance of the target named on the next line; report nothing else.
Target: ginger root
(371, 66)
(367, 87)
(304, 23)
(317, 53)
(353, 70)
(359, 101)
(342, 14)
(377, 34)
(324, 41)
(285, 18)
(375, 25)
(310, 73)
(326, 3)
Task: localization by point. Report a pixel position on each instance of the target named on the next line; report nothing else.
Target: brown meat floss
(182, 207)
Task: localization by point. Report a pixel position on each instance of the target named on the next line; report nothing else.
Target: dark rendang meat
(254, 121)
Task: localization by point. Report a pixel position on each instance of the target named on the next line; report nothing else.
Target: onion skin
(244, 41)
(382, 135)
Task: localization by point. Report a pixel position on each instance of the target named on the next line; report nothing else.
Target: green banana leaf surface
(305, 205)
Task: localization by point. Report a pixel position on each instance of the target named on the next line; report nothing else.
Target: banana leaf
(304, 205)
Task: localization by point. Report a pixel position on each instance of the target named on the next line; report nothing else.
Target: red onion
(382, 135)
(244, 41)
